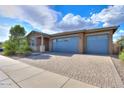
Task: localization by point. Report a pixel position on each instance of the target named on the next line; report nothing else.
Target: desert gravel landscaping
(91, 69)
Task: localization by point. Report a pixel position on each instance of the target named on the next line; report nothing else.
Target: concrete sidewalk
(14, 74)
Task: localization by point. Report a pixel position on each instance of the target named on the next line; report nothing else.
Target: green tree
(17, 32)
(17, 42)
(120, 42)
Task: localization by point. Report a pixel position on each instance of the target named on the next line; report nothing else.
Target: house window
(33, 42)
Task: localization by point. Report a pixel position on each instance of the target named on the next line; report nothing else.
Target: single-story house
(90, 41)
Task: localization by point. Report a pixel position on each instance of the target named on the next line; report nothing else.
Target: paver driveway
(15, 74)
(95, 70)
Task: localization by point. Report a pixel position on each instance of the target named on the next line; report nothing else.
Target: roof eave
(114, 28)
(44, 35)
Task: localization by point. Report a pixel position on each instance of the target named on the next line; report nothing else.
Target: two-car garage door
(97, 44)
(94, 44)
(66, 44)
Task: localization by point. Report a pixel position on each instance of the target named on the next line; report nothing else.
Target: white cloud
(39, 16)
(4, 32)
(75, 22)
(11, 11)
(113, 15)
(49, 31)
(43, 17)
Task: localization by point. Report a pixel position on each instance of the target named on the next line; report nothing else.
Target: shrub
(121, 55)
(12, 47)
(23, 48)
(9, 48)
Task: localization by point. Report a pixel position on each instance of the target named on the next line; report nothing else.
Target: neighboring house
(91, 41)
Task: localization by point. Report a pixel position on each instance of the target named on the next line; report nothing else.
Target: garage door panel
(97, 44)
(69, 44)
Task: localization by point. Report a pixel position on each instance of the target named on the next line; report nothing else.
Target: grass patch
(121, 56)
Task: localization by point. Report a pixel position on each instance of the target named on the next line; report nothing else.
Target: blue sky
(82, 10)
(60, 18)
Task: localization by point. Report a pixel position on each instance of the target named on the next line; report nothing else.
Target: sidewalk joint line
(30, 77)
(10, 78)
(65, 83)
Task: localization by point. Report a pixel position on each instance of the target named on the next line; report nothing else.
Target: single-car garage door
(97, 44)
(68, 44)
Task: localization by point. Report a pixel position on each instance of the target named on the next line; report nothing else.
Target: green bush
(12, 47)
(23, 48)
(121, 55)
(9, 48)
(23, 52)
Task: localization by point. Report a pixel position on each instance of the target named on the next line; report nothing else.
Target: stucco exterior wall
(37, 39)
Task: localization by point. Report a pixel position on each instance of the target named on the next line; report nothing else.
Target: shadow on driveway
(39, 56)
(60, 54)
(47, 55)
